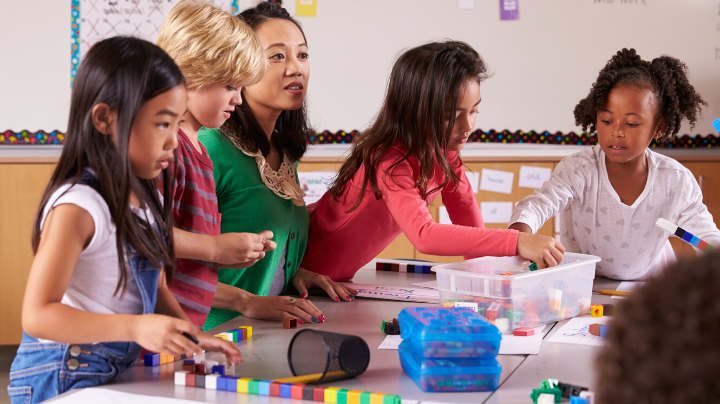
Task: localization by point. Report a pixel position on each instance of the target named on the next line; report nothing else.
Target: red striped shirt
(195, 209)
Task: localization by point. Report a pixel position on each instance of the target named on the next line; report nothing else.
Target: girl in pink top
(400, 165)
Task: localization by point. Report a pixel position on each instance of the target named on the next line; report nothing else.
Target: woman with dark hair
(402, 162)
(255, 156)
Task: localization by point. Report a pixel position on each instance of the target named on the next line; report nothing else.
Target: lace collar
(281, 182)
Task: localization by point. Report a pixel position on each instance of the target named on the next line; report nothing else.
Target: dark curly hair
(292, 128)
(663, 347)
(666, 76)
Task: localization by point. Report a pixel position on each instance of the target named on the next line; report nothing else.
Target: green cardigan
(248, 206)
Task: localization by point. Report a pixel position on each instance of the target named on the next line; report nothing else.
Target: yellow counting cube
(249, 330)
(222, 335)
(243, 385)
(353, 396)
(377, 398)
(331, 395)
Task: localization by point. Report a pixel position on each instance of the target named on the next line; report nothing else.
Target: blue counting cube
(152, 359)
(716, 125)
(603, 330)
(219, 369)
(286, 390)
(264, 387)
(578, 400)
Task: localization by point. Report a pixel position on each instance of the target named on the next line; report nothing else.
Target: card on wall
(315, 184)
(496, 212)
(474, 179)
(443, 216)
(496, 181)
(466, 4)
(509, 10)
(306, 8)
(533, 177)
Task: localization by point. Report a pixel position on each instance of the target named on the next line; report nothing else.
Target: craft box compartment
(435, 332)
(445, 375)
(504, 287)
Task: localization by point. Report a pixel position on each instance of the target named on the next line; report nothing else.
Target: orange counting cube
(596, 310)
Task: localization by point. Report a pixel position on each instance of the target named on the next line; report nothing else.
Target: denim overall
(42, 371)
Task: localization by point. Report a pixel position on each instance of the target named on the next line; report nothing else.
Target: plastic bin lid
(500, 267)
(445, 324)
(439, 366)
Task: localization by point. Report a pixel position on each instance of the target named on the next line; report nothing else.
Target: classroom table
(265, 355)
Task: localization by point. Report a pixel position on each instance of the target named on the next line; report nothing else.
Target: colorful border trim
(341, 137)
(31, 138)
(74, 40)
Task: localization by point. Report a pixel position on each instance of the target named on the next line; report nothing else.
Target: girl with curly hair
(610, 196)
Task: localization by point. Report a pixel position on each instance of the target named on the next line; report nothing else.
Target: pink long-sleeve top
(339, 243)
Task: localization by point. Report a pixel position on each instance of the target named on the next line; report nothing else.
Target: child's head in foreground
(218, 55)
(635, 101)
(663, 347)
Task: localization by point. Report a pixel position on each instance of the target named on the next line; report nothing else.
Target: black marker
(191, 338)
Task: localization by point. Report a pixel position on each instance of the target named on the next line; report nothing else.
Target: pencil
(310, 379)
(612, 292)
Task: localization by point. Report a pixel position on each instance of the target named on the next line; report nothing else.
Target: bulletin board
(95, 20)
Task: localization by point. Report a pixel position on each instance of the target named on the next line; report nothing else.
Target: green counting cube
(388, 399)
(253, 386)
(342, 396)
(365, 397)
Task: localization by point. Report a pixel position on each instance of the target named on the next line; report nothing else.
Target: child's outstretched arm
(67, 230)
(555, 194)
(412, 215)
(229, 250)
(694, 216)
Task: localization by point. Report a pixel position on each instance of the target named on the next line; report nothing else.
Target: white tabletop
(265, 356)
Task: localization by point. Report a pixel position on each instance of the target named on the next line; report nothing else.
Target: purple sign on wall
(509, 10)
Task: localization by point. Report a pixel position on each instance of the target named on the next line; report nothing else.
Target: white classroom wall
(543, 64)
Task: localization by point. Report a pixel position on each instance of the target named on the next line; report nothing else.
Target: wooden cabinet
(21, 187)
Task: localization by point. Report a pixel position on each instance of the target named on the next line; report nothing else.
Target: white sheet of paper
(107, 396)
(512, 345)
(533, 177)
(577, 331)
(428, 284)
(444, 217)
(496, 181)
(395, 293)
(315, 184)
(391, 342)
(474, 179)
(627, 287)
(466, 4)
(496, 212)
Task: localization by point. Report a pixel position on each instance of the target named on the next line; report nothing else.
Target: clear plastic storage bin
(436, 375)
(437, 332)
(504, 287)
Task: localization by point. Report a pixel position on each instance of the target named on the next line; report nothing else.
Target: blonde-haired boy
(218, 54)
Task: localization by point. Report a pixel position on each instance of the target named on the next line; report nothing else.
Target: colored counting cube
(243, 385)
(331, 395)
(289, 323)
(296, 391)
(353, 397)
(264, 388)
(503, 325)
(151, 359)
(524, 332)
(275, 389)
(248, 331)
(211, 382)
(578, 400)
(319, 394)
(286, 390)
(180, 377)
(596, 310)
(595, 329)
(376, 398)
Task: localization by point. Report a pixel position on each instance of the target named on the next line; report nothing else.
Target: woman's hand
(215, 344)
(161, 333)
(278, 307)
(304, 280)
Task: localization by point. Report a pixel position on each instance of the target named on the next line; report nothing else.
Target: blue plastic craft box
(446, 375)
(435, 332)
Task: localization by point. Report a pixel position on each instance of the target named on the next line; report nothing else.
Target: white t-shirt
(93, 282)
(594, 221)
